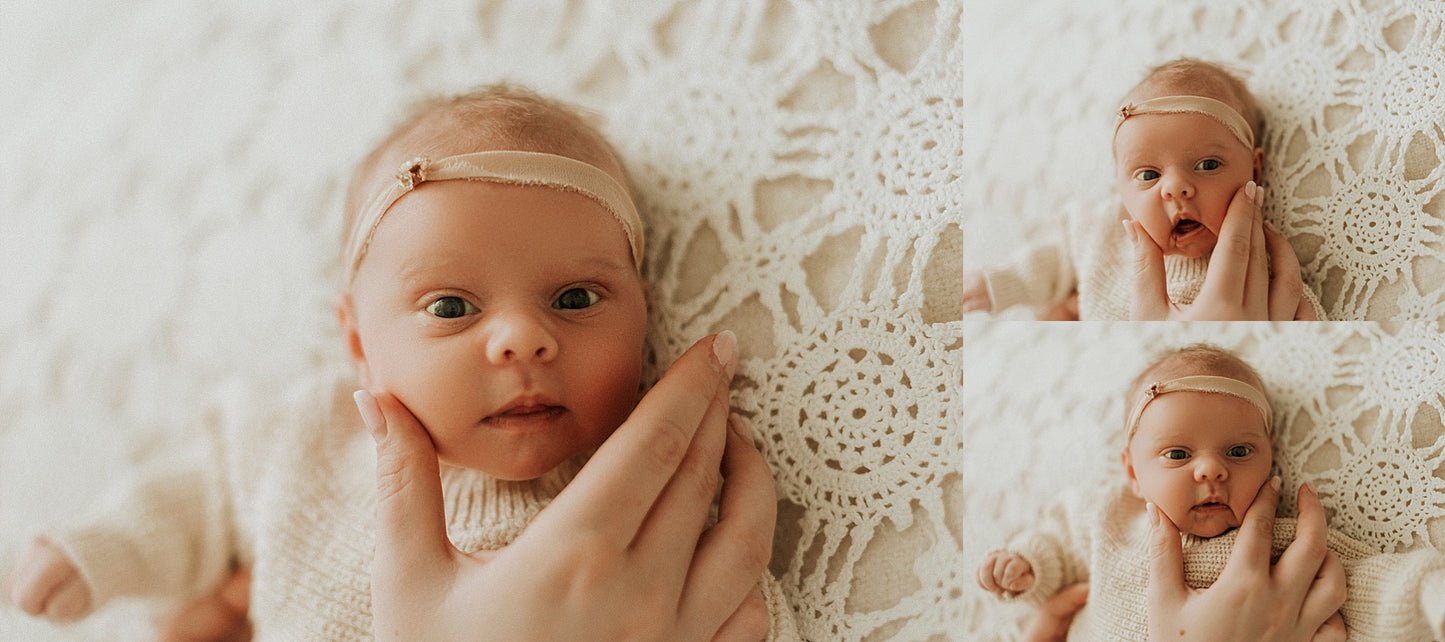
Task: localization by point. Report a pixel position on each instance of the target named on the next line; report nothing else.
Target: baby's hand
(45, 582)
(1007, 573)
(975, 292)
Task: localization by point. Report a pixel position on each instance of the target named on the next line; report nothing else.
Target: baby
(1199, 447)
(1185, 142)
(493, 287)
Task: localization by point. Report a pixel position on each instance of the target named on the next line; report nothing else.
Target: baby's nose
(520, 336)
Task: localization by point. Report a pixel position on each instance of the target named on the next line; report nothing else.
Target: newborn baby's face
(509, 319)
(1201, 458)
(1177, 174)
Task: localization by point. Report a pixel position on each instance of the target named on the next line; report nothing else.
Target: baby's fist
(1003, 572)
(45, 582)
(975, 293)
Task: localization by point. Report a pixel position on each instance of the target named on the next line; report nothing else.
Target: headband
(508, 167)
(1210, 107)
(1205, 383)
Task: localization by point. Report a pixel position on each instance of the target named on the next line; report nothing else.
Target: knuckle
(671, 443)
(393, 477)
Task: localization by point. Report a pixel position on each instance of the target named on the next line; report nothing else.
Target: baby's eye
(1146, 175)
(1239, 451)
(451, 307)
(1176, 454)
(576, 299)
(1208, 164)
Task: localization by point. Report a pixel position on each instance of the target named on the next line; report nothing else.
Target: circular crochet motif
(1382, 243)
(1407, 94)
(871, 424)
(1408, 373)
(1294, 77)
(1380, 497)
(916, 152)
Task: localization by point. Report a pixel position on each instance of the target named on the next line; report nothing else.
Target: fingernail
(1249, 190)
(1129, 230)
(370, 413)
(1259, 196)
(1153, 514)
(1275, 483)
(725, 348)
(1310, 486)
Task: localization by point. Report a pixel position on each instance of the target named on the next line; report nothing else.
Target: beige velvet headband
(509, 167)
(1205, 383)
(1210, 107)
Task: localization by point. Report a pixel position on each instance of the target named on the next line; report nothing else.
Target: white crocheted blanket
(811, 172)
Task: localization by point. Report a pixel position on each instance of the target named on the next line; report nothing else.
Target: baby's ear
(1129, 471)
(1259, 166)
(346, 319)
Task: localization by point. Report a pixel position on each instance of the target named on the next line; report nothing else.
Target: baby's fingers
(1018, 574)
(44, 582)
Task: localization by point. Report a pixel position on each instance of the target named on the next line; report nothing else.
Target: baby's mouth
(1186, 226)
(1210, 507)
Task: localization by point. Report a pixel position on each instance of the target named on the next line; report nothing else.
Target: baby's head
(1200, 438)
(494, 288)
(1186, 139)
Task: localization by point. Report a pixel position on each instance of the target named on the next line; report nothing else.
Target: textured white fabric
(810, 172)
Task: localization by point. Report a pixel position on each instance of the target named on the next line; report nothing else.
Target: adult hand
(218, 617)
(624, 552)
(1238, 285)
(1251, 600)
(1051, 622)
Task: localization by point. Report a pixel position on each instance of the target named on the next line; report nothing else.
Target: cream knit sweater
(1093, 256)
(1104, 540)
(294, 498)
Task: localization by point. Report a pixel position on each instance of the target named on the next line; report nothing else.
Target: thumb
(1166, 564)
(411, 533)
(1151, 294)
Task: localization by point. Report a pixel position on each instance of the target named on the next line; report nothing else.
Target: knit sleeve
(1057, 549)
(1391, 596)
(1039, 276)
(163, 534)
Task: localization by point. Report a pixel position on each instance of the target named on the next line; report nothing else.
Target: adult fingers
(1300, 564)
(733, 554)
(1256, 281)
(669, 535)
(1286, 287)
(1151, 292)
(749, 623)
(411, 533)
(1333, 630)
(219, 617)
(1250, 557)
(1325, 597)
(1166, 590)
(618, 486)
(1229, 264)
(1051, 623)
